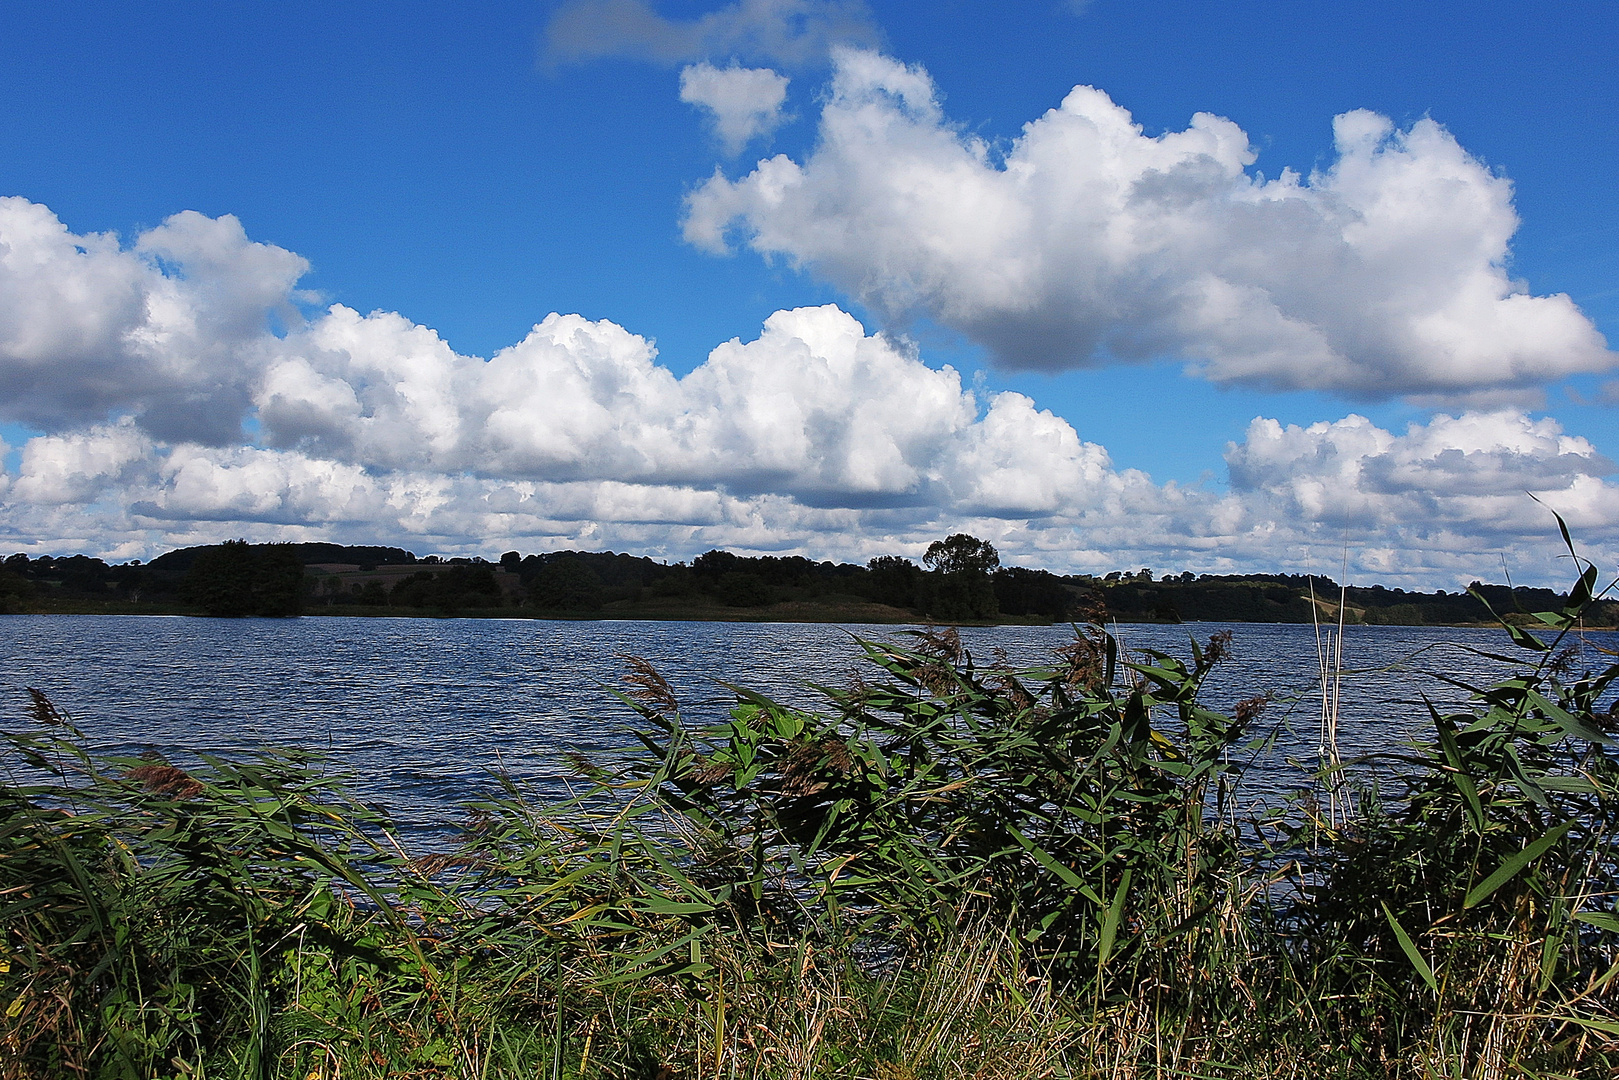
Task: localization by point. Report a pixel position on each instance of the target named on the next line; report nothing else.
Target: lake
(422, 711)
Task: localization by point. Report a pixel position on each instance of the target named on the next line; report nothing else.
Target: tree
(1020, 591)
(448, 590)
(960, 586)
(15, 590)
(566, 584)
(961, 554)
(892, 580)
(716, 563)
(236, 579)
(738, 588)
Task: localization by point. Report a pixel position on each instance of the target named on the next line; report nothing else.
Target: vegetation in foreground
(960, 581)
(950, 869)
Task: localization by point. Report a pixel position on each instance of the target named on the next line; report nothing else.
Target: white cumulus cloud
(1089, 241)
(743, 104)
(171, 328)
(77, 467)
(1470, 473)
(1440, 504)
(806, 409)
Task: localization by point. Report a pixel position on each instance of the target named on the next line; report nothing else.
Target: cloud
(1090, 242)
(166, 328)
(804, 410)
(80, 466)
(792, 33)
(1469, 472)
(743, 103)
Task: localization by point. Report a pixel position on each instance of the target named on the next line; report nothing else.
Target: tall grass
(949, 868)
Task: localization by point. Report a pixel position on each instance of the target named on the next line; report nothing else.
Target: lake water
(423, 710)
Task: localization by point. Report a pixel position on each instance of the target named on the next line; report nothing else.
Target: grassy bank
(951, 868)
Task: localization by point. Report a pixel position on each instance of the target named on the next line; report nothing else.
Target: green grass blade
(1512, 866)
(1602, 920)
(1110, 923)
(1410, 948)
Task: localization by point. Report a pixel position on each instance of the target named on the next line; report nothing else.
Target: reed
(1329, 654)
(949, 868)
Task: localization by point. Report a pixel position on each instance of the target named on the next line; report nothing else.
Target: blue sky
(474, 170)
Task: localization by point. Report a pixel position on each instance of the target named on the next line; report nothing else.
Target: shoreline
(831, 618)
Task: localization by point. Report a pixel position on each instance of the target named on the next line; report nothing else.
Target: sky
(1218, 287)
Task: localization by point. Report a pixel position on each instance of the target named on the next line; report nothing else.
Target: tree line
(958, 579)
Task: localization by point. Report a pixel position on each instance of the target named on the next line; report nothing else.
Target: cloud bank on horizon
(187, 391)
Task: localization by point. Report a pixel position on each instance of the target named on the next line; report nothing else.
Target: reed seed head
(161, 778)
(647, 686)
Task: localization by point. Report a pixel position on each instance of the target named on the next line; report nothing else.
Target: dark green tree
(741, 589)
(237, 579)
(892, 580)
(15, 591)
(446, 591)
(1021, 591)
(566, 584)
(960, 554)
(712, 565)
(960, 586)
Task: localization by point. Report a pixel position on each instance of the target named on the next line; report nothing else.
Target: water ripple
(424, 711)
